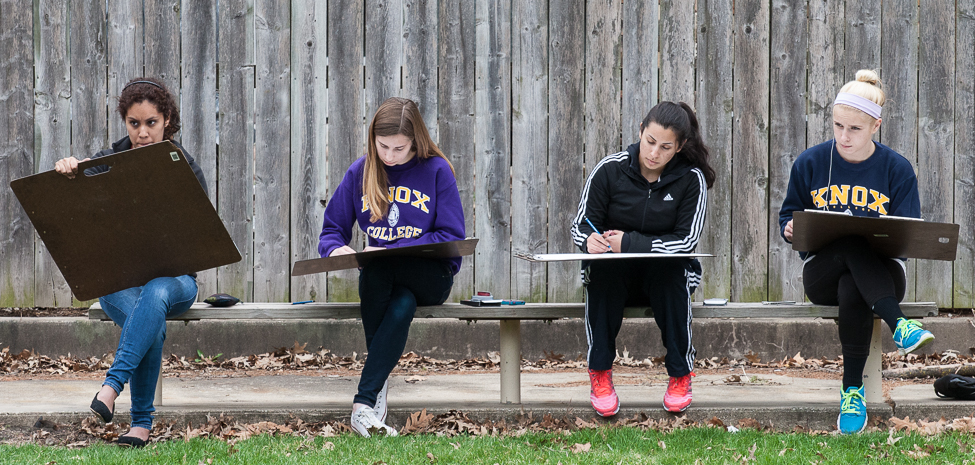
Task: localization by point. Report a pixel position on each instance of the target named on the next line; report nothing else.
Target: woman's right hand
(344, 250)
(788, 231)
(68, 166)
(597, 244)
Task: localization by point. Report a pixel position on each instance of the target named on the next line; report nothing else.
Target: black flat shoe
(131, 441)
(101, 410)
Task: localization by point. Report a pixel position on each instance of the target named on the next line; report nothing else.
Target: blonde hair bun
(867, 85)
(870, 77)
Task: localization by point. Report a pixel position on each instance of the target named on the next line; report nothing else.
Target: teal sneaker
(853, 411)
(909, 336)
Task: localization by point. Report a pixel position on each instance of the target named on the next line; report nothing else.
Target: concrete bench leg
(872, 373)
(157, 402)
(510, 361)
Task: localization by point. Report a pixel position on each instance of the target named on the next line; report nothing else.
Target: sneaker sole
(676, 411)
(852, 432)
(606, 414)
(923, 342)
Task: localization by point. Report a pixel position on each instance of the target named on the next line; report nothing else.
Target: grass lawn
(605, 445)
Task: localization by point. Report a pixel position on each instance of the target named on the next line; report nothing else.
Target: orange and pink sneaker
(678, 396)
(602, 394)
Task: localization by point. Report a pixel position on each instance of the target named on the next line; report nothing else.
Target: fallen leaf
(431, 458)
(581, 448)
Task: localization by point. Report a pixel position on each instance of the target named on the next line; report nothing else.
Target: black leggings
(389, 290)
(847, 273)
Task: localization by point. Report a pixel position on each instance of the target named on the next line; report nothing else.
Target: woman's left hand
(370, 248)
(615, 239)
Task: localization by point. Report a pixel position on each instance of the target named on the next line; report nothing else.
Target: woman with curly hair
(150, 115)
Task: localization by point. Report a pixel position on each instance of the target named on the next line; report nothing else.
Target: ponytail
(681, 119)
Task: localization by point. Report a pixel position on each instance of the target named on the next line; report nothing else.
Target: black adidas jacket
(665, 216)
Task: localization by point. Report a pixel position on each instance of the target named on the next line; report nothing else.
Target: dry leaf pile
(457, 423)
(27, 361)
(297, 357)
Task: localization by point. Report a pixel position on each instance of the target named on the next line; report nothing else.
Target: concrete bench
(510, 318)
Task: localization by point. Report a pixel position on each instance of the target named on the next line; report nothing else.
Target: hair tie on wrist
(865, 105)
(141, 82)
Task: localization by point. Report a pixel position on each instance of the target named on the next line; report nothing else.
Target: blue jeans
(141, 313)
(389, 291)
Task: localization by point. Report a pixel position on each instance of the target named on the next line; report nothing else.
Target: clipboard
(144, 218)
(889, 236)
(568, 257)
(450, 249)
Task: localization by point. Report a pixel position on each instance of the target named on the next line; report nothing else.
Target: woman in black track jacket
(651, 198)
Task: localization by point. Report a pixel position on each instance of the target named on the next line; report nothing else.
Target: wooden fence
(523, 95)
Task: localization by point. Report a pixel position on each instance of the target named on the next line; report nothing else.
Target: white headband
(865, 105)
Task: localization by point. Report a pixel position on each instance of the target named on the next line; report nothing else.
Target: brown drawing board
(449, 249)
(146, 217)
(888, 236)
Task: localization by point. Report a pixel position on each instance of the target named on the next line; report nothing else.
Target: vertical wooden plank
(309, 113)
(641, 40)
(492, 94)
(345, 131)
(163, 43)
(529, 146)
(272, 170)
(603, 79)
(16, 150)
(788, 135)
(125, 55)
(235, 154)
(456, 109)
(964, 265)
(384, 53)
(89, 81)
(899, 72)
(676, 51)
(826, 43)
(52, 129)
(420, 25)
(566, 139)
(750, 204)
(714, 113)
(89, 132)
(936, 136)
(198, 30)
(862, 35)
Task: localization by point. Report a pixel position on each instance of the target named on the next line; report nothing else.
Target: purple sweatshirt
(425, 208)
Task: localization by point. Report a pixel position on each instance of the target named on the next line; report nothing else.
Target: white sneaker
(380, 408)
(366, 422)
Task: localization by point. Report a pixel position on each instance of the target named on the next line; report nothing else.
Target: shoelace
(909, 327)
(681, 385)
(603, 384)
(846, 406)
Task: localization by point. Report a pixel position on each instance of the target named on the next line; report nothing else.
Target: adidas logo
(668, 197)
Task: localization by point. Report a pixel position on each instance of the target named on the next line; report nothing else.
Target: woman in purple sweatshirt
(402, 192)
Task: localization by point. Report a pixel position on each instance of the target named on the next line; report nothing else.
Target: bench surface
(529, 311)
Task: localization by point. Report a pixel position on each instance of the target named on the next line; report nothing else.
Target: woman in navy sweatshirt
(402, 192)
(652, 197)
(853, 174)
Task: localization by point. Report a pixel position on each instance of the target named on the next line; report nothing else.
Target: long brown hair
(395, 116)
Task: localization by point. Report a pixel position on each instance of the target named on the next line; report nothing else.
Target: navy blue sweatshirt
(884, 184)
